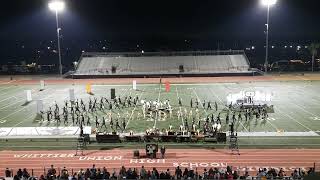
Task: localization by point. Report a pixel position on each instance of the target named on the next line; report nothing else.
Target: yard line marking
(200, 102)
(295, 120)
(217, 97)
(31, 114)
(274, 126)
(155, 120)
(24, 120)
(243, 126)
(21, 87)
(14, 96)
(8, 105)
(180, 106)
(134, 110)
(6, 88)
(15, 112)
(303, 109)
(8, 82)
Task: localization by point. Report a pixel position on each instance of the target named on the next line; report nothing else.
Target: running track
(252, 159)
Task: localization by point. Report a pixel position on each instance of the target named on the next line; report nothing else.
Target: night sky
(155, 24)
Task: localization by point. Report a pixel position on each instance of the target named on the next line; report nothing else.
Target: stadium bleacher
(177, 63)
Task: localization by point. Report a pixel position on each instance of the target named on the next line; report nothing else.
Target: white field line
(200, 102)
(36, 93)
(179, 106)
(2, 89)
(134, 110)
(294, 120)
(217, 97)
(10, 91)
(8, 82)
(303, 109)
(32, 112)
(198, 99)
(155, 120)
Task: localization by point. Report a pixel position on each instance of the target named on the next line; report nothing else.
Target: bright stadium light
(267, 3)
(57, 6)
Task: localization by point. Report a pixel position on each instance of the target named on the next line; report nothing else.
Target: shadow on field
(26, 103)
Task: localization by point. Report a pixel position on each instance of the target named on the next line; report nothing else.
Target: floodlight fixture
(56, 5)
(268, 2)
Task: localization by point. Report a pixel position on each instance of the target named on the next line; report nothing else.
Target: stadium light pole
(57, 6)
(267, 3)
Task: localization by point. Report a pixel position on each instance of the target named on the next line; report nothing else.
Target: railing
(173, 53)
(257, 70)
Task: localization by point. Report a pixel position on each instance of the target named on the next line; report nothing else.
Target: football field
(296, 106)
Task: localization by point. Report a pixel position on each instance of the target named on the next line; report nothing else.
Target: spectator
(235, 175)
(178, 173)
(148, 174)
(99, 174)
(87, 174)
(155, 174)
(162, 175)
(114, 175)
(185, 173)
(311, 171)
(7, 172)
(221, 173)
(197, 176)
(205, 174)
(16, 177)
(51, 173)
(64, 173)
(80, 174)
(281, 173)
(135, 173)
(93, 172)
(105, 173)
(122, 172)
(143, 173)
(190, 174)
(19, 173)
(168, 175)
(42, 177)
(25, 173)
(246, 176)
(129, 174)
(74, 177)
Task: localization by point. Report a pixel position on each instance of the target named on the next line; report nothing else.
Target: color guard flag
(88, 88)
(134, 85)
(42, 85)
(167, 85)
(29, 97)
(71, 95)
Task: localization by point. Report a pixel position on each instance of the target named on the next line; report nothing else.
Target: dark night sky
(165, 19)
(160, 22)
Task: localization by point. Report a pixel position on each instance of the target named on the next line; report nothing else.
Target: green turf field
(296, 104)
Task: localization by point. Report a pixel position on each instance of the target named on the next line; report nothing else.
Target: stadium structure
(206, 108)
(155, 64)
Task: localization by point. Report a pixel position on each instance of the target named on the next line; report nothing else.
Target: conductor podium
(151, 150)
